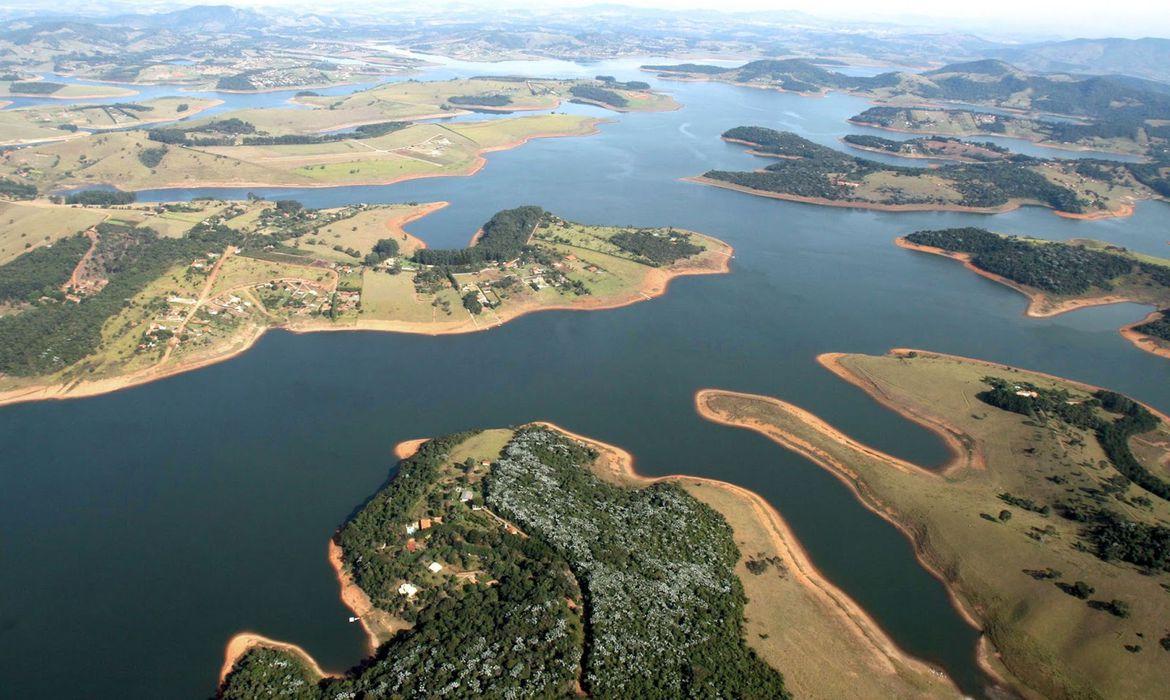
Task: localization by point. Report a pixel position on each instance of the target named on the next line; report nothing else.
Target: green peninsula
(1059, 277)
(1048, 524)
(532, 562)
(808, 172)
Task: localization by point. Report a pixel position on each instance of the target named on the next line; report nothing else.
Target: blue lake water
(140, 530)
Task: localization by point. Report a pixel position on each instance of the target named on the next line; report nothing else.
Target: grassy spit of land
(217, 157)
(413, 100)
(205, 279)
(60, 91)
(59, 123)
(1037, 525)
(1060, 277)
(470, 495)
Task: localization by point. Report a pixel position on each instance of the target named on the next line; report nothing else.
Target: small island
(995, 182)
(1060, 277)
(532, 561)
(205, 279)
(1048, 523)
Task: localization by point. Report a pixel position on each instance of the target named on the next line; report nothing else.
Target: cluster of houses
(413, 545)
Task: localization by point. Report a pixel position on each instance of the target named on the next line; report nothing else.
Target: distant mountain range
(1142, 58)
(598, 31)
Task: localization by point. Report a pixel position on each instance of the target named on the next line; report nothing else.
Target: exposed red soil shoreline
(1040, 306)
(655, 284)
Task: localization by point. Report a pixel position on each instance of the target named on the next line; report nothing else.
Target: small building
(466, 495)
(434, 567)
(408, 589)
(412, 545)
(413, 527)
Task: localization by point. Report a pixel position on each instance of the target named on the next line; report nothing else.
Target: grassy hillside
(1039, 523)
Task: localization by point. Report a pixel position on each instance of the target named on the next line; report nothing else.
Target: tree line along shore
(1047, 525)
(535, 542)
(990, 179)
(1058, 277)
(206, 278)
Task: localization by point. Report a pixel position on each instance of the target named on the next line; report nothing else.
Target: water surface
(141, 529)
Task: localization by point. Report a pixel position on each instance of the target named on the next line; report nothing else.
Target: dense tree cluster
(932, 146)
(1059, 268)
(807, 169)
(656, 568)
(151, 157)
(619, 592)
(17, 190)
(34, 88)
(496, 100)
(656, 248)
(220, 132)
(41, 271)
(1116, 537)
(1113, 435)
(598, 94)
(101, 198)
(52, 336)
(1159, 327)
(266, 672)
(503, 238)
(614, 83)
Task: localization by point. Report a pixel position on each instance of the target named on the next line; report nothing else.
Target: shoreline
(243, 642)
(655, 284)
(1124, 211)
(911, 156)
(1148, 343)
(1055, 145)
(985, 651)
(622, 464)
(477, 163)
(1040, 306)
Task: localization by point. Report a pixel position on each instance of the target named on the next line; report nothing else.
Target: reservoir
(140, 530)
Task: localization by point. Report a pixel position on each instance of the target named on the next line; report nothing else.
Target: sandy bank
(244, 642)
(408, 448)
(851, 479)
(1146, 342)
(379, 625)
(885, 656)
(1040, 305)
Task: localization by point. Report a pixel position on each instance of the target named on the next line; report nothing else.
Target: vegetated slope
(548, 580)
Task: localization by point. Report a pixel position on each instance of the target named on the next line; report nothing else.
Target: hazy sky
(1073, 17)
(1129, 18)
